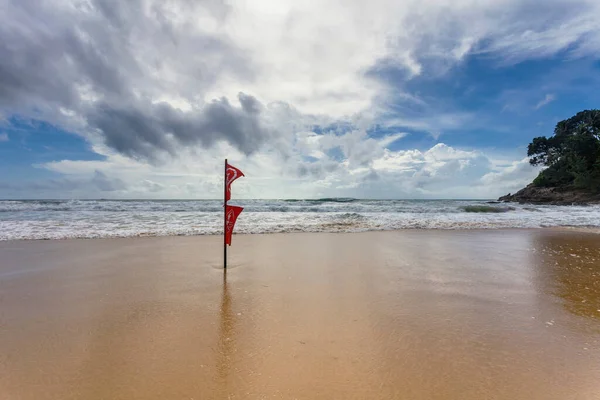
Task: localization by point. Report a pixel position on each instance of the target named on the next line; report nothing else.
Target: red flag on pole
(231, 214)
(231, 174)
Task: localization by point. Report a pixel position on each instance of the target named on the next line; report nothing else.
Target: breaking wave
(61, 219)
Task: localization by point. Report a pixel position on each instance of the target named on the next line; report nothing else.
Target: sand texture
(498, 314)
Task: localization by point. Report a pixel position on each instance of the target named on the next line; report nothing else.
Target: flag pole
(225, 217)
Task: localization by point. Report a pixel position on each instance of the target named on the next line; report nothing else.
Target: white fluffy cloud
(155, 87)
(318, 166)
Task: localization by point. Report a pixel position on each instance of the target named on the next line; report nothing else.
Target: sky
(380, 99)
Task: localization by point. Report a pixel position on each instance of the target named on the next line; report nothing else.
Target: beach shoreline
(420, 314)
(577, 229)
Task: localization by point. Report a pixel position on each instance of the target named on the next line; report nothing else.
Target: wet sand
(499, 314)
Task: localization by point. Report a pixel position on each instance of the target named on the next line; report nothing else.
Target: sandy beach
(414, 314)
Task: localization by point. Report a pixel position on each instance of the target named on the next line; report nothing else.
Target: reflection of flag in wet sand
(226, 338)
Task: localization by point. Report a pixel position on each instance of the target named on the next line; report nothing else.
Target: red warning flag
(231, 214)
(231, 174)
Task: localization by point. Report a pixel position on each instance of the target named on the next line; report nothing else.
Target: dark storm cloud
(139, 131)
(44, 56)
(102, 61)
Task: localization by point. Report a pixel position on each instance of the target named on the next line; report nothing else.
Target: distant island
(572, 158)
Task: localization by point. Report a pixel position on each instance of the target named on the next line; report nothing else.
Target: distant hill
(562, 195)
(572, 158)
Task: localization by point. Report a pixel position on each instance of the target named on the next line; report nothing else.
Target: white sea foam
(109, 218)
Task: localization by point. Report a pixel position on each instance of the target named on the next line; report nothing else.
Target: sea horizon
(255, 198)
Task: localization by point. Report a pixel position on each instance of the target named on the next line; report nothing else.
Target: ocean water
(61, 219)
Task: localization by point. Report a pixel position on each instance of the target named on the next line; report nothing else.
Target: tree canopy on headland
(572, 154)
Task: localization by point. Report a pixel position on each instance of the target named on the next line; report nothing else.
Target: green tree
(572, 154)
